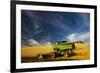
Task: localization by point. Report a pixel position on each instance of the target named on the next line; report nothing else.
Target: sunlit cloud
(85, 37)
(32, 42)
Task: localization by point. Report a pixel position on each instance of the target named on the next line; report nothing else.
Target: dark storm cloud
(47, 26)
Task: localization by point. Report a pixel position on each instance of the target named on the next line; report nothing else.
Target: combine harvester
(63, 48)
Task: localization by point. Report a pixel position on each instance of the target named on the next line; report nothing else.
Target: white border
(20, 65)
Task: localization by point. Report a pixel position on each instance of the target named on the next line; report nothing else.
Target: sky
(46, 27)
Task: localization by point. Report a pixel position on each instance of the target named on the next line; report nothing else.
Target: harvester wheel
(66, 55)
(52, 55)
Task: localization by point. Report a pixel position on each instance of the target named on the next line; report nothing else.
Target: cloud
(37, 32)
(85, 37)
(32, 42)
(45, 43)
(36, 24)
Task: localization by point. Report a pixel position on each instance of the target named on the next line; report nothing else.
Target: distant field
(81, 52)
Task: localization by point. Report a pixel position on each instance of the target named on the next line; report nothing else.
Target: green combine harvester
(63, 48)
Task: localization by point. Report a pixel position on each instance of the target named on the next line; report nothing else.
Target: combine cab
(63, 48)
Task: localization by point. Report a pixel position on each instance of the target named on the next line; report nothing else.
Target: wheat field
(35, 50)
(81, 52)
